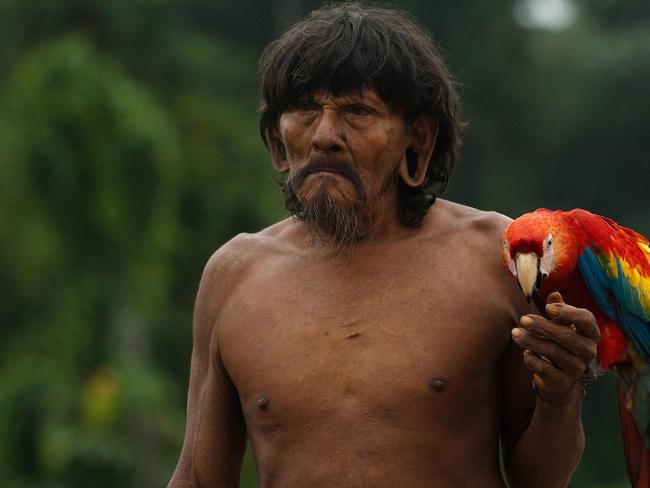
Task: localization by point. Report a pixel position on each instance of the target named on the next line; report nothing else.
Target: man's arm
(215, 436)
(546, 451)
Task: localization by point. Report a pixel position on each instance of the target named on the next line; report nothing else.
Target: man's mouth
(334, 166)
(326, 172)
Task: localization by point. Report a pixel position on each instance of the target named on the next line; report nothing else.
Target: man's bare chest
(304, 345)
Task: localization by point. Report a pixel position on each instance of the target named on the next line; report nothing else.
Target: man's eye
(306, 105)
(358, 110)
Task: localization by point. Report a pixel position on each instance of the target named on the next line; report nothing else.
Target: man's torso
(380, 370)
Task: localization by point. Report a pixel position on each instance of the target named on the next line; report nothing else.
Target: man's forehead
(366, 94)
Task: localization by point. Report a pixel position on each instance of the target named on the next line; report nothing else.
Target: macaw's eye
(549, 240)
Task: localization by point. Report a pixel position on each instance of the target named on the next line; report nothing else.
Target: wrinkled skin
(390, 366)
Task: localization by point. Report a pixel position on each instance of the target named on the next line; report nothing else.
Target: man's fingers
(554, 297)
(551, 377)
(567, 337)
(556, 354)
(583, 320)
(557, 350)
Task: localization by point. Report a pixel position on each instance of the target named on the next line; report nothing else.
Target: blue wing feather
(597, 282)
(616, 298)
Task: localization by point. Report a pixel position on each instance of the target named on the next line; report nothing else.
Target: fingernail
(516, 332)
(526, 321)
(553, 309)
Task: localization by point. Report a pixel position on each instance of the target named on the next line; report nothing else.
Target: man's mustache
(334, 165)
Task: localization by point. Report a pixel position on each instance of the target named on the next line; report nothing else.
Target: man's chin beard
(338, 225)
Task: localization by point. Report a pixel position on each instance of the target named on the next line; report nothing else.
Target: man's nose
(329, 135)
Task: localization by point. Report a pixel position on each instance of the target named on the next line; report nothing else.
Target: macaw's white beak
(528, 275)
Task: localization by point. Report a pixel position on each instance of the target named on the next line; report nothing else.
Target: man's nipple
(262, 401)
(438, 385)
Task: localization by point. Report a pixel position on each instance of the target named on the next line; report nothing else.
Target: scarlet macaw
(604, 267)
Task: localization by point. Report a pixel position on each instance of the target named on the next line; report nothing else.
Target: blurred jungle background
(129, 152)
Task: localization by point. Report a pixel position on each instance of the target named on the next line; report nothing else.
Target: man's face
(342, 153)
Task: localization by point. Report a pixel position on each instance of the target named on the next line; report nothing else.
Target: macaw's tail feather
(637, 453)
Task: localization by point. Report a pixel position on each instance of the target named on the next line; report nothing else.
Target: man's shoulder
(466, 219)
(475, 234)
(244, 250)
(234, 262)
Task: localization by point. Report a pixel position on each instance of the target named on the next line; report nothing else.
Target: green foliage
(129, 152)
(90, 162)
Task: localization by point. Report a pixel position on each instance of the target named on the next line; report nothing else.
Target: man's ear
(277, 150)
(415, 162)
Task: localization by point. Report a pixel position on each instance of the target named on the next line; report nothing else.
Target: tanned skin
(394, 365)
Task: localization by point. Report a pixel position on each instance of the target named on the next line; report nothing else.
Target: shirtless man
(374, 339)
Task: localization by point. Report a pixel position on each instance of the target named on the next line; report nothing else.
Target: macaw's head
(537, 246)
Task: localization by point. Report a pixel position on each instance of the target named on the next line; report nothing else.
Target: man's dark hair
(345, 47)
